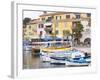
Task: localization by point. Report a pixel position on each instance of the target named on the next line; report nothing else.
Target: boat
(65, 57)
(47, 54)
(58, 60)
(82, 61)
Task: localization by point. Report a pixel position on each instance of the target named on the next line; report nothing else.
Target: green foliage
(26, 21)
(77, 31)
(66, 33)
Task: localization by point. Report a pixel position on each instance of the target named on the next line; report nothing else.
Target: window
(89, 23)
(67, 16)
(40, 25)
(74, 24)
(43, 19)
(60, 17)
(49, 19)
(77, 16)
(56, 17)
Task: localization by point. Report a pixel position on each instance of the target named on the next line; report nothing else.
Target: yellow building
(60, 22)
(54, 23)
(57, 23)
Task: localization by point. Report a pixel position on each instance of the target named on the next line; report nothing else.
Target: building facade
(30, 31)
(58, 23)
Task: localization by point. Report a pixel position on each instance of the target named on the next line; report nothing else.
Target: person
(86, 54)
(48, 44)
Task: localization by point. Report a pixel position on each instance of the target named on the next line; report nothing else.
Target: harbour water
(34, 62)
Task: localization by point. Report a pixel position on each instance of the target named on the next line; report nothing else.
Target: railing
(45, 44)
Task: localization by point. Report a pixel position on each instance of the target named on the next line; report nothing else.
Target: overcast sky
(32, 14)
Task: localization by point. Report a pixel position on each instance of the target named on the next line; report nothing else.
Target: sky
(32, 14)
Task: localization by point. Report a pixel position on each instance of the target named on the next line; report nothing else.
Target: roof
(53, 13)
(58, 13)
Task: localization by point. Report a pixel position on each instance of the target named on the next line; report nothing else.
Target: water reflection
(34, 62)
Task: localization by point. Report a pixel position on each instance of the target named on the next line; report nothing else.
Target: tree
(77, 31)
(26, 21)
(66, 34)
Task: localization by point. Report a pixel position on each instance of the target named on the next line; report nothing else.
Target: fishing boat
(47, 54)
(65, 56)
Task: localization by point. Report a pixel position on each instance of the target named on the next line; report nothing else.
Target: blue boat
(82, 61)
(76, 61)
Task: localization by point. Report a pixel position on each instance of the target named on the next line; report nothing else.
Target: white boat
(45, 58)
